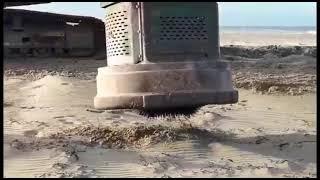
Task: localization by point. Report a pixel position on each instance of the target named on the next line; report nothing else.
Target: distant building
(41, 34)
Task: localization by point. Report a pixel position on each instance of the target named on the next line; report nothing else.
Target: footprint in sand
(35, 87)
(13, 121)
(63, 116)
(27, 107)
(65, 121)
(115, 116)
(30, 133)
(7, 104)
(43, 124)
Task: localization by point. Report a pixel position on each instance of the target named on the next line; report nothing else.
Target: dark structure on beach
(41, 34)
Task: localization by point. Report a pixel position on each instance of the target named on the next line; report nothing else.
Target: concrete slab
(164, 85)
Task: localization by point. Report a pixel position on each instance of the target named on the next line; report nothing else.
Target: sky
(230, 13)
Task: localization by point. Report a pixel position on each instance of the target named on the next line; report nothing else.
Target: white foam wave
(312, 32)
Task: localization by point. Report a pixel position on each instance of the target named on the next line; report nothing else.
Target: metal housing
(163, 55)
(161, 32)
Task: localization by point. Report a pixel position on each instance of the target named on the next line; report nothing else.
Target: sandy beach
(52, 130)
(268, 38)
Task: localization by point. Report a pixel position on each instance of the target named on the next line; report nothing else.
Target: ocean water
(270, 29)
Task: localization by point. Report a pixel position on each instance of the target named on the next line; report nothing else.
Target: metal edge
(106, 4)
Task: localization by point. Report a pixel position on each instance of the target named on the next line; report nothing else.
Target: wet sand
(52, 130)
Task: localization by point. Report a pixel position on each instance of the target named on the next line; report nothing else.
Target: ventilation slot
(183, 28)
(117, 34)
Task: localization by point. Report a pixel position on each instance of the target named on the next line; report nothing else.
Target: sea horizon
(288, 29)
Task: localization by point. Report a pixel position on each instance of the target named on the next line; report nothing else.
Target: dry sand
(52, 130)
(247, 38)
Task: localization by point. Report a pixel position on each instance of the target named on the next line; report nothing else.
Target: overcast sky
(231, 13)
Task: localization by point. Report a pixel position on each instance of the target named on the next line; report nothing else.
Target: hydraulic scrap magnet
(163, 55)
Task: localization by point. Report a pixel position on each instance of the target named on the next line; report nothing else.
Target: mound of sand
(297, 84)
(137, 136)
(273, 69)
(48, 90)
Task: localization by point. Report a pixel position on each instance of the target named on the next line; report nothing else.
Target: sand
(247, 38)
(52, 130)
